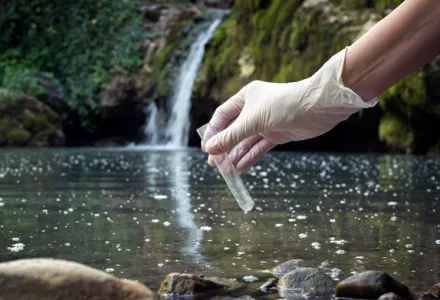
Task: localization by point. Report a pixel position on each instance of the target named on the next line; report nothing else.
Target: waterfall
(176, 131)
(151, 131)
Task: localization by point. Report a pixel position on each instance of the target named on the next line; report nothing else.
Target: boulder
(389, 296)
(26, 121)
(304, 283)
(435, 290)
(289, 266)
(193, 285)
(371, 285)
(269, 284)
(50, 279)
(123, 106)
(433, 294)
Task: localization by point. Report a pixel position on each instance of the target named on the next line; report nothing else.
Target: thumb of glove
(227, 139)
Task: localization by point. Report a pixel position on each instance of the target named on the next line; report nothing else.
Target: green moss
(43, 137)
(406, 95)
(390, 4)
(35, 122)
(17, 137)
(396, 133)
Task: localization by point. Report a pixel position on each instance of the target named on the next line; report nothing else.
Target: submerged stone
(289, 266)
(389, 296)
(371, 285)
(269, 284)
(307, 283)
(49, 279)
(191, 285)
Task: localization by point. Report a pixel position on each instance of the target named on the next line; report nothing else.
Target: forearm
(399, 44)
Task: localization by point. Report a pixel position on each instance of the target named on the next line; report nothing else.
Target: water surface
(142, 214)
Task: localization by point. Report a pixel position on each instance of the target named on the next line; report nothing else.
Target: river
(142, 214)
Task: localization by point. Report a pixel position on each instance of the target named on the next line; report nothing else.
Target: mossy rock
(396, 133)
(17, 137)
(25, 121)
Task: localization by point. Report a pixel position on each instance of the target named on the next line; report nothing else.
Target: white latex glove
(263, 114)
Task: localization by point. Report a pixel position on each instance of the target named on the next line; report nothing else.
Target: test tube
(228, 171)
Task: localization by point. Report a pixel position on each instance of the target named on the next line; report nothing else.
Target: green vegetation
(73, 47)
(396, 133)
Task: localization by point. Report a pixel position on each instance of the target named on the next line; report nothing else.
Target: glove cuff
(330, 77)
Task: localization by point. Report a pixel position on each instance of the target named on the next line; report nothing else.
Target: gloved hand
(263, 114)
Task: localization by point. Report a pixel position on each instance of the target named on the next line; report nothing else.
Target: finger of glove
(242, 148)
(254, 154)
(223, 116)
(239, 151)
(211, 161)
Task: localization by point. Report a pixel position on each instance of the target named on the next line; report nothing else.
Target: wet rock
(427, 296)
(306, 282)
(269, 284)
(26, 121)
(222, 4)
(44, 279)
(371, 285)
(191, 285)
(123, 106)
(389, 296)
(289, 266)
(153, 12)
(435, 290)
(433, 294)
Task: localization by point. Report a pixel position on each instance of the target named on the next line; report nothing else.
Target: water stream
(175, 134)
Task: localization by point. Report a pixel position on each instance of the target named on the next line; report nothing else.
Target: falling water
(151, 130)
(177, 129)
(178, 125)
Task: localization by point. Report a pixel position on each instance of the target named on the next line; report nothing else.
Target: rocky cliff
(283, 41)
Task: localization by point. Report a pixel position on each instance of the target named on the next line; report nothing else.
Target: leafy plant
(78, 44)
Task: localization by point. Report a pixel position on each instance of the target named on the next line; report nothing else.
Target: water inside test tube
(228, 172)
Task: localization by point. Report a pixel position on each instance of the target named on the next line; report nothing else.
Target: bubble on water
(332, 220)
(437, 242)
(240, 253)
(394, 218)
(291, 220)
(166, 223)
(334, 273)
(338, 242)
(340, 252)
(250, 278)
(302, 235)
(15, 239)
(301, 217)
(408, 245)
(16, 247)
(279, 225)
(206, 228)
(109, 270)
(392, 203)
(316, 245)
(67, 244)
(155, 221)
(2, 204)
(160, 197)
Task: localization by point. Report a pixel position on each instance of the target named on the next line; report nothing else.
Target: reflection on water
(143, 214)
